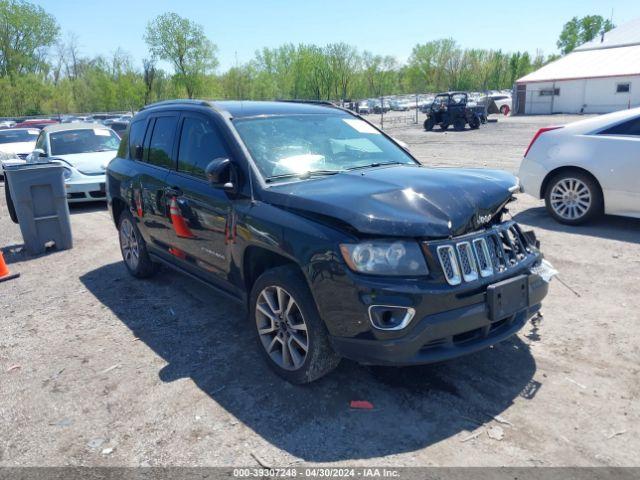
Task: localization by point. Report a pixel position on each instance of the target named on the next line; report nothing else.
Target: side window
(630, 127)
(41, 142)
(135, 136)
(161, 144)
(200, 143)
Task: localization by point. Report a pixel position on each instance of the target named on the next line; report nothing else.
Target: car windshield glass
(87, 140)
(297, 144)
(18, 136)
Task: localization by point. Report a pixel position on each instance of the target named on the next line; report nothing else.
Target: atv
(451, 109)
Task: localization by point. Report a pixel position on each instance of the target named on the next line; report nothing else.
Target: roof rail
(178, 101)
(316, 102)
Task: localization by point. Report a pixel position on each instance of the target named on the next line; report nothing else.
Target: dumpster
(37, 194)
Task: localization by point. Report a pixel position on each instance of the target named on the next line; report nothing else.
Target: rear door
(156, 159)
(200, 214)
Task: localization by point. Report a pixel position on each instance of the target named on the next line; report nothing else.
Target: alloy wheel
(129, 244)
(282, 328)
(570, 198)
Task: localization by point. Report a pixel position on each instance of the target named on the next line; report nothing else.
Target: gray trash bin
(38, 195)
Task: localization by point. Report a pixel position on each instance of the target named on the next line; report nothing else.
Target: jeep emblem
(482, 219)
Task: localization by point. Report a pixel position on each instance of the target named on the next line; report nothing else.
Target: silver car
(84, 149)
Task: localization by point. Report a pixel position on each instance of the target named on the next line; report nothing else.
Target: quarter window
(136, 137)
(630, 127)
(161, 144)
(200, 143)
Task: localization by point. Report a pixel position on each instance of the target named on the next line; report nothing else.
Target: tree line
(44, 72)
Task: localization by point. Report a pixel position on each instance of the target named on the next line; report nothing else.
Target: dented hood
(402, 200)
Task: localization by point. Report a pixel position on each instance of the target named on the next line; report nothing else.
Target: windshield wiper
(301, 176)
(376, 164)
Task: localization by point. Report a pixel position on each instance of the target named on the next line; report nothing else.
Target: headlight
(66, 173)
(385, 258)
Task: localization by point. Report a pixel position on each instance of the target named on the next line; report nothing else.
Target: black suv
(338, 241)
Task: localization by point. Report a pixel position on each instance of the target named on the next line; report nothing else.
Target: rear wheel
(429, 123)
(475, 123)
(458, 124)
(134, 249)
(290, 333)
(573, 198)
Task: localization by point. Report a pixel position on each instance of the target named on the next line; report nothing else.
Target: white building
(600, 76)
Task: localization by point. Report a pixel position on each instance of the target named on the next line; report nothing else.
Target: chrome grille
(484, 258)
(449, 264)
(467, 262)
(488, 253)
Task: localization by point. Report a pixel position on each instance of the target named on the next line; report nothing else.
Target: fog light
(387, 317)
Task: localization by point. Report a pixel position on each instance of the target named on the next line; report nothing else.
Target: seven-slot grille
(490, 252)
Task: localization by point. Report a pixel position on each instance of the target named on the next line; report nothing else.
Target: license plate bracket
(507, 297)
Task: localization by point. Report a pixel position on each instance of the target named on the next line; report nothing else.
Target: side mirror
(221, 173)
(38, 152)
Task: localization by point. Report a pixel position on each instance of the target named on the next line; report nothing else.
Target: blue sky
(389, 27)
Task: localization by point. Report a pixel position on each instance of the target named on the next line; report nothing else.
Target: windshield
(297, 144)
(18, 136)
(69, 142)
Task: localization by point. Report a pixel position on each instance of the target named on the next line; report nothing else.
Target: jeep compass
(338, 241)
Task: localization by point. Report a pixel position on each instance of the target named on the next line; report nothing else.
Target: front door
(201, 215)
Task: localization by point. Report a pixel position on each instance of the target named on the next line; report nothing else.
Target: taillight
(538, 133)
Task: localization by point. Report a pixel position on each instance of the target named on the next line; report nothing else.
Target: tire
(429, 123)
(302, 324)
(458, 124)
(475, 123)
(483, 119)
(444, 126)
(573, 198)
(10, 206)
(134, 249)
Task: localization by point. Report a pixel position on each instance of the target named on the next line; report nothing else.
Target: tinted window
(161, 145)
(136, 136)
(630, 127)
(199, 144)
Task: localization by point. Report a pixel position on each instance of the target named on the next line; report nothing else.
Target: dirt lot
(97, 368)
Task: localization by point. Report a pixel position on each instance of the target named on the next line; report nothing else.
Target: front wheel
(290, 333)
(458, 124)
(573, 198)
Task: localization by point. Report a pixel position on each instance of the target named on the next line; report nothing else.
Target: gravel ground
(97, 368)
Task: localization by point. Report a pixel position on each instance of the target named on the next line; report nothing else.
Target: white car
(503, 102)
(15, 145)
(586, 168)
(84, 149)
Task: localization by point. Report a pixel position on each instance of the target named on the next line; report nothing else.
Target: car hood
(402, 200)
(91, 163)
(18, 147)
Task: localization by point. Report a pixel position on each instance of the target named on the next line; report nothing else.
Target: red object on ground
(5, 274)
(361, 404)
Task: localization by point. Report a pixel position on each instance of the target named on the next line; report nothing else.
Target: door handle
(173, 191)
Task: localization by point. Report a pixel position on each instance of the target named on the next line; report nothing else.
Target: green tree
(26, 32)
(182, 43)
(580, 30)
